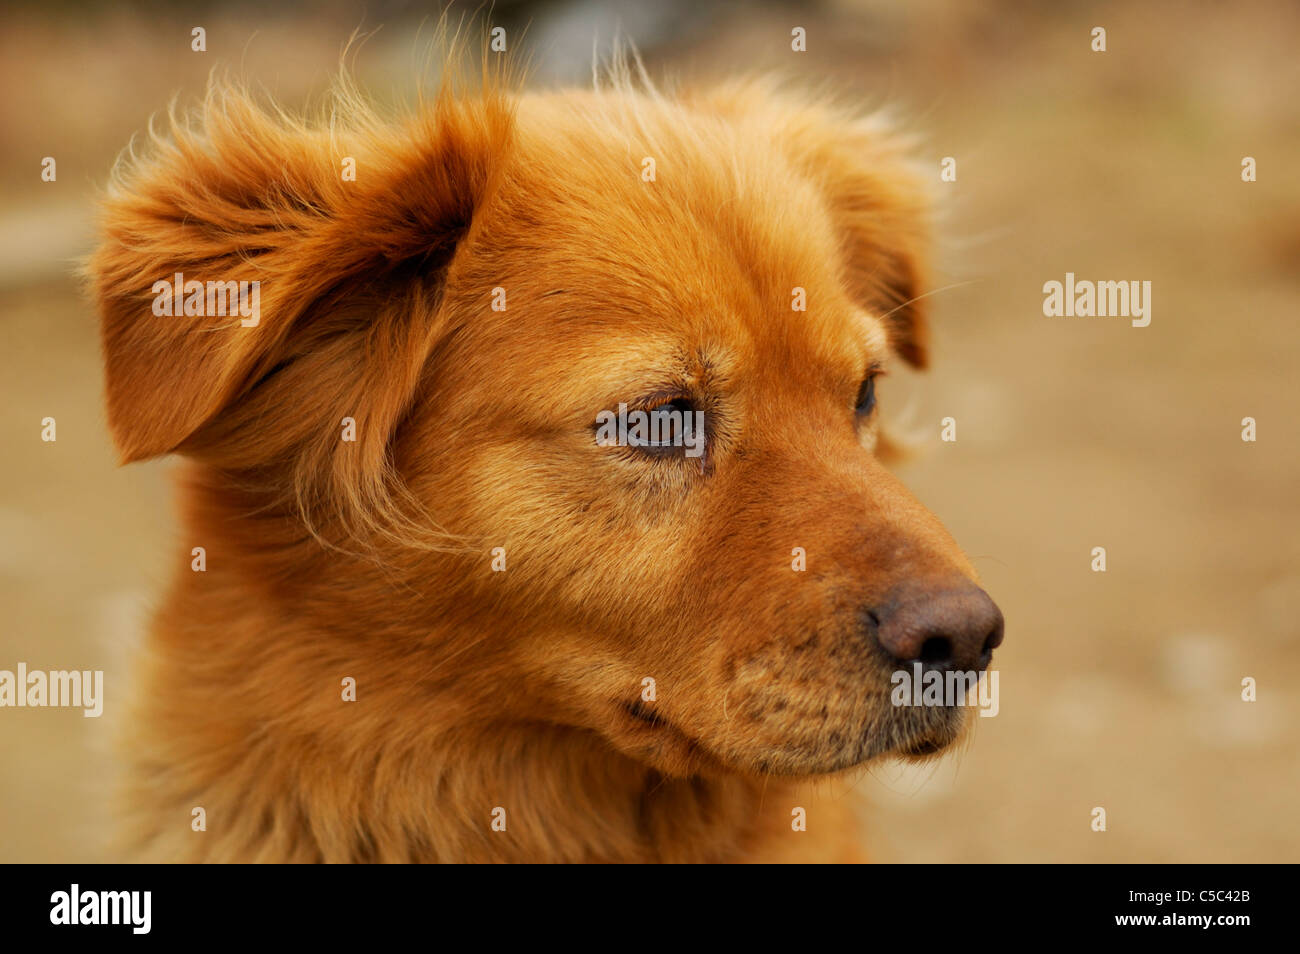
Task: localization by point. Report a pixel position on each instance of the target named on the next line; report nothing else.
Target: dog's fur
(372, 560)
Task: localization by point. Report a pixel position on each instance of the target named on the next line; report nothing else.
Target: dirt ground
(1119, 689)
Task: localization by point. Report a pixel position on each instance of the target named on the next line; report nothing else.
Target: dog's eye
(659, 426)
(669, 428)
(867, 396)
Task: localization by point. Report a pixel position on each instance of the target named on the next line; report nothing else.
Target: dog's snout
(940, 627)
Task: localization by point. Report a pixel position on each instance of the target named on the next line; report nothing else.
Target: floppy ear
(244, 194)
(877, 198)
(880, 203)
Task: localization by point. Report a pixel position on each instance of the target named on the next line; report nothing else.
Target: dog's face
(736, 604)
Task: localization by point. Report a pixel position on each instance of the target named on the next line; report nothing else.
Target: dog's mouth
(931, 740)
(643, 714)
(923, 748)
(668, 748)
(645, 723)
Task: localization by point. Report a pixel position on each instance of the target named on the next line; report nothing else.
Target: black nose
(944, 626)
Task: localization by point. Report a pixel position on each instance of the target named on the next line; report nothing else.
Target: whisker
(910, 301)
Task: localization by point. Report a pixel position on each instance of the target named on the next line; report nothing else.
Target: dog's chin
(941, 728)
(928, 747)
(913, 736)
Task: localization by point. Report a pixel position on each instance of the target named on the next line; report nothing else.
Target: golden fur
(372, 559)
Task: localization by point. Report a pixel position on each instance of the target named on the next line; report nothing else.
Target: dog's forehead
(670, 225)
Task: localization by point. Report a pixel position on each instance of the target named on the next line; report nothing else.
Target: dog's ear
(880, 203)
(334, 222)
(878, 199)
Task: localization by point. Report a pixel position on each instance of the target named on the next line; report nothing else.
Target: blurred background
(1119, 689)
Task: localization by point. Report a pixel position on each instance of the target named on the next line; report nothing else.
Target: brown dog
(434, 617)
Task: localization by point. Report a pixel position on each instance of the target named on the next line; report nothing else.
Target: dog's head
(495, 283)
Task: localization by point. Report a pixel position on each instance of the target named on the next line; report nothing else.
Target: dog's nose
(951, 626)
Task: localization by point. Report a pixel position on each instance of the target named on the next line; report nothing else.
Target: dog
(421, 612)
